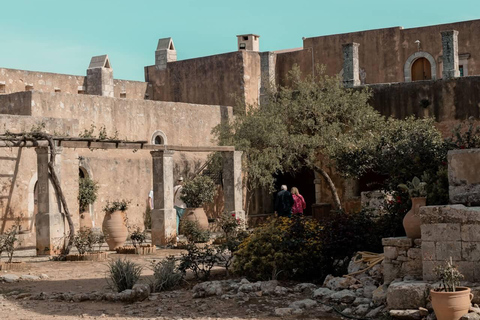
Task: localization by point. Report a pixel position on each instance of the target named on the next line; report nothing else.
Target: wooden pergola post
(49, 221)
(164, 219)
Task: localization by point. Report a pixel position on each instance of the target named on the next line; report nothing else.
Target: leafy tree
(300, 126)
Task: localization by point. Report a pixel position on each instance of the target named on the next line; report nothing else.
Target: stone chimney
(100, 77)
(165, 53)
(351, 69)
(450, 54)
(248, 42)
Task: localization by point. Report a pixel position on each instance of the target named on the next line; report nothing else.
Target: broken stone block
(406, 314)
(407, 295)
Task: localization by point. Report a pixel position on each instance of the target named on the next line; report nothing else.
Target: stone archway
(407, 68)
(87, 218)
(159, 137)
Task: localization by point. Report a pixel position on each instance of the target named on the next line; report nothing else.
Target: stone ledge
(457, 213)
(397, 242)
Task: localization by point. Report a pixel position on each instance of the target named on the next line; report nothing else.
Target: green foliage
(199, 260)
(87, 193)
(8, 241)
(465, 138)
(449, 275)
(282, 248)
(193, 233)
(415, 188)
(123, 274)
(85, 240)
(121, 205)
(198, 191)
(138, 237)
(437, 185)
(165, 275)
(233, 237)
(298, 125)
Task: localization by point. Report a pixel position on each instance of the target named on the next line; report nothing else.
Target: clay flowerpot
(451, 305)
(411, 221)
(198, 215)
(114, 229)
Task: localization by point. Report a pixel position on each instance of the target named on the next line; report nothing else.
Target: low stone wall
(463, 176)
(451, 232)
(403, 259)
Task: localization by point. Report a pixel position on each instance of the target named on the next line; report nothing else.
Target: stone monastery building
(427, 71)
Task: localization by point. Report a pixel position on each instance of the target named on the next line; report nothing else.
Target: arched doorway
(86, 216)
(421, 70)
(304, 181)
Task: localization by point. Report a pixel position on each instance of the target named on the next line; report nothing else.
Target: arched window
(420, 66)
(159, 137)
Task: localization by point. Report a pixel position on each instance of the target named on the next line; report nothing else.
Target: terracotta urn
(411, 221)
(198, 215)
(451, 305)
(114, 229)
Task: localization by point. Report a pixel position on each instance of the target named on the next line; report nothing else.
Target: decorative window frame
(161, 134)
(407, 68)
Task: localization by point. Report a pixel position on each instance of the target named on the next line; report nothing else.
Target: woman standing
(298, 202)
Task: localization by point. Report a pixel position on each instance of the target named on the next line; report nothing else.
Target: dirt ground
(87, 277)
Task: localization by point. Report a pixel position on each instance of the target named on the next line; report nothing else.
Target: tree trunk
(331, 185)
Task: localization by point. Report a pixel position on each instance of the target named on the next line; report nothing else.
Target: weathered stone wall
(216, 80)
(451, 232)
(403, 259)
(383, 52)
(13, 80)
(464, 176)
(121, 174)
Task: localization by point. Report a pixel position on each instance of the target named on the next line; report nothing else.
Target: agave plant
(415, 188)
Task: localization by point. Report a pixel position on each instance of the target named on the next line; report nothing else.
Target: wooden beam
(14, 144)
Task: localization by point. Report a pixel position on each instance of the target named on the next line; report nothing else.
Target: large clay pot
(85, 220)
(451, 305)
(411, 221)
(114, 229)
(198, 215)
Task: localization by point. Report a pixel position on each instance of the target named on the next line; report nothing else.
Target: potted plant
(85, 241)
(195, 193)
(114, 226)
(411, 221)
(87, 194)
(449, 301)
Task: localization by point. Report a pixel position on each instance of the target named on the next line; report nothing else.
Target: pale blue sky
(62, 35)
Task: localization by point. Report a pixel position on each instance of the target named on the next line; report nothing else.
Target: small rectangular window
(461, 70)
(123, 94)
(29, 87)
(81, 90)
(2, 87)
(242, 46)
(57, 90)
(245, 38)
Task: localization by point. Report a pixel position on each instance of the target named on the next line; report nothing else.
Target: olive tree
(302, 125)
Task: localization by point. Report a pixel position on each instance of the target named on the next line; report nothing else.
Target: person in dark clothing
(284, 203)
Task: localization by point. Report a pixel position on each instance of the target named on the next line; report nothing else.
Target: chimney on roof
(165, 53)
(100, 77)
(450, 54)
(248, 42)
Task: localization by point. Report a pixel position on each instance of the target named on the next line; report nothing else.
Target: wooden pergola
(50, 218)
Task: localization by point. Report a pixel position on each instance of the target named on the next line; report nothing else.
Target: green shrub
(199, 260)
(198, 191)
(121, 205)
(8, 241)
(87, 193)
(138, 237)
(85, 240)
(193, 233)
(282, 248)
(123, 274)
(165, 275)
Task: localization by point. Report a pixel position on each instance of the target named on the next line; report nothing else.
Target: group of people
(178, 203)
(288, 203)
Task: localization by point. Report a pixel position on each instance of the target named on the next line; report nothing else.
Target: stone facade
(463, 176)
(403, 258)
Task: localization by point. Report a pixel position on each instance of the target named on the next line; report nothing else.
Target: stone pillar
(165, 53)
(100, 77)
(267, 67)
(450, 54)
(164, 217)
(351, 69)
(232, 183)
(49, 221)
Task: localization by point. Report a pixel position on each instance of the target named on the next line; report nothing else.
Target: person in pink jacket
(298, 202)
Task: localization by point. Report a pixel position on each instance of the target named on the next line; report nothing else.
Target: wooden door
(421, 70)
